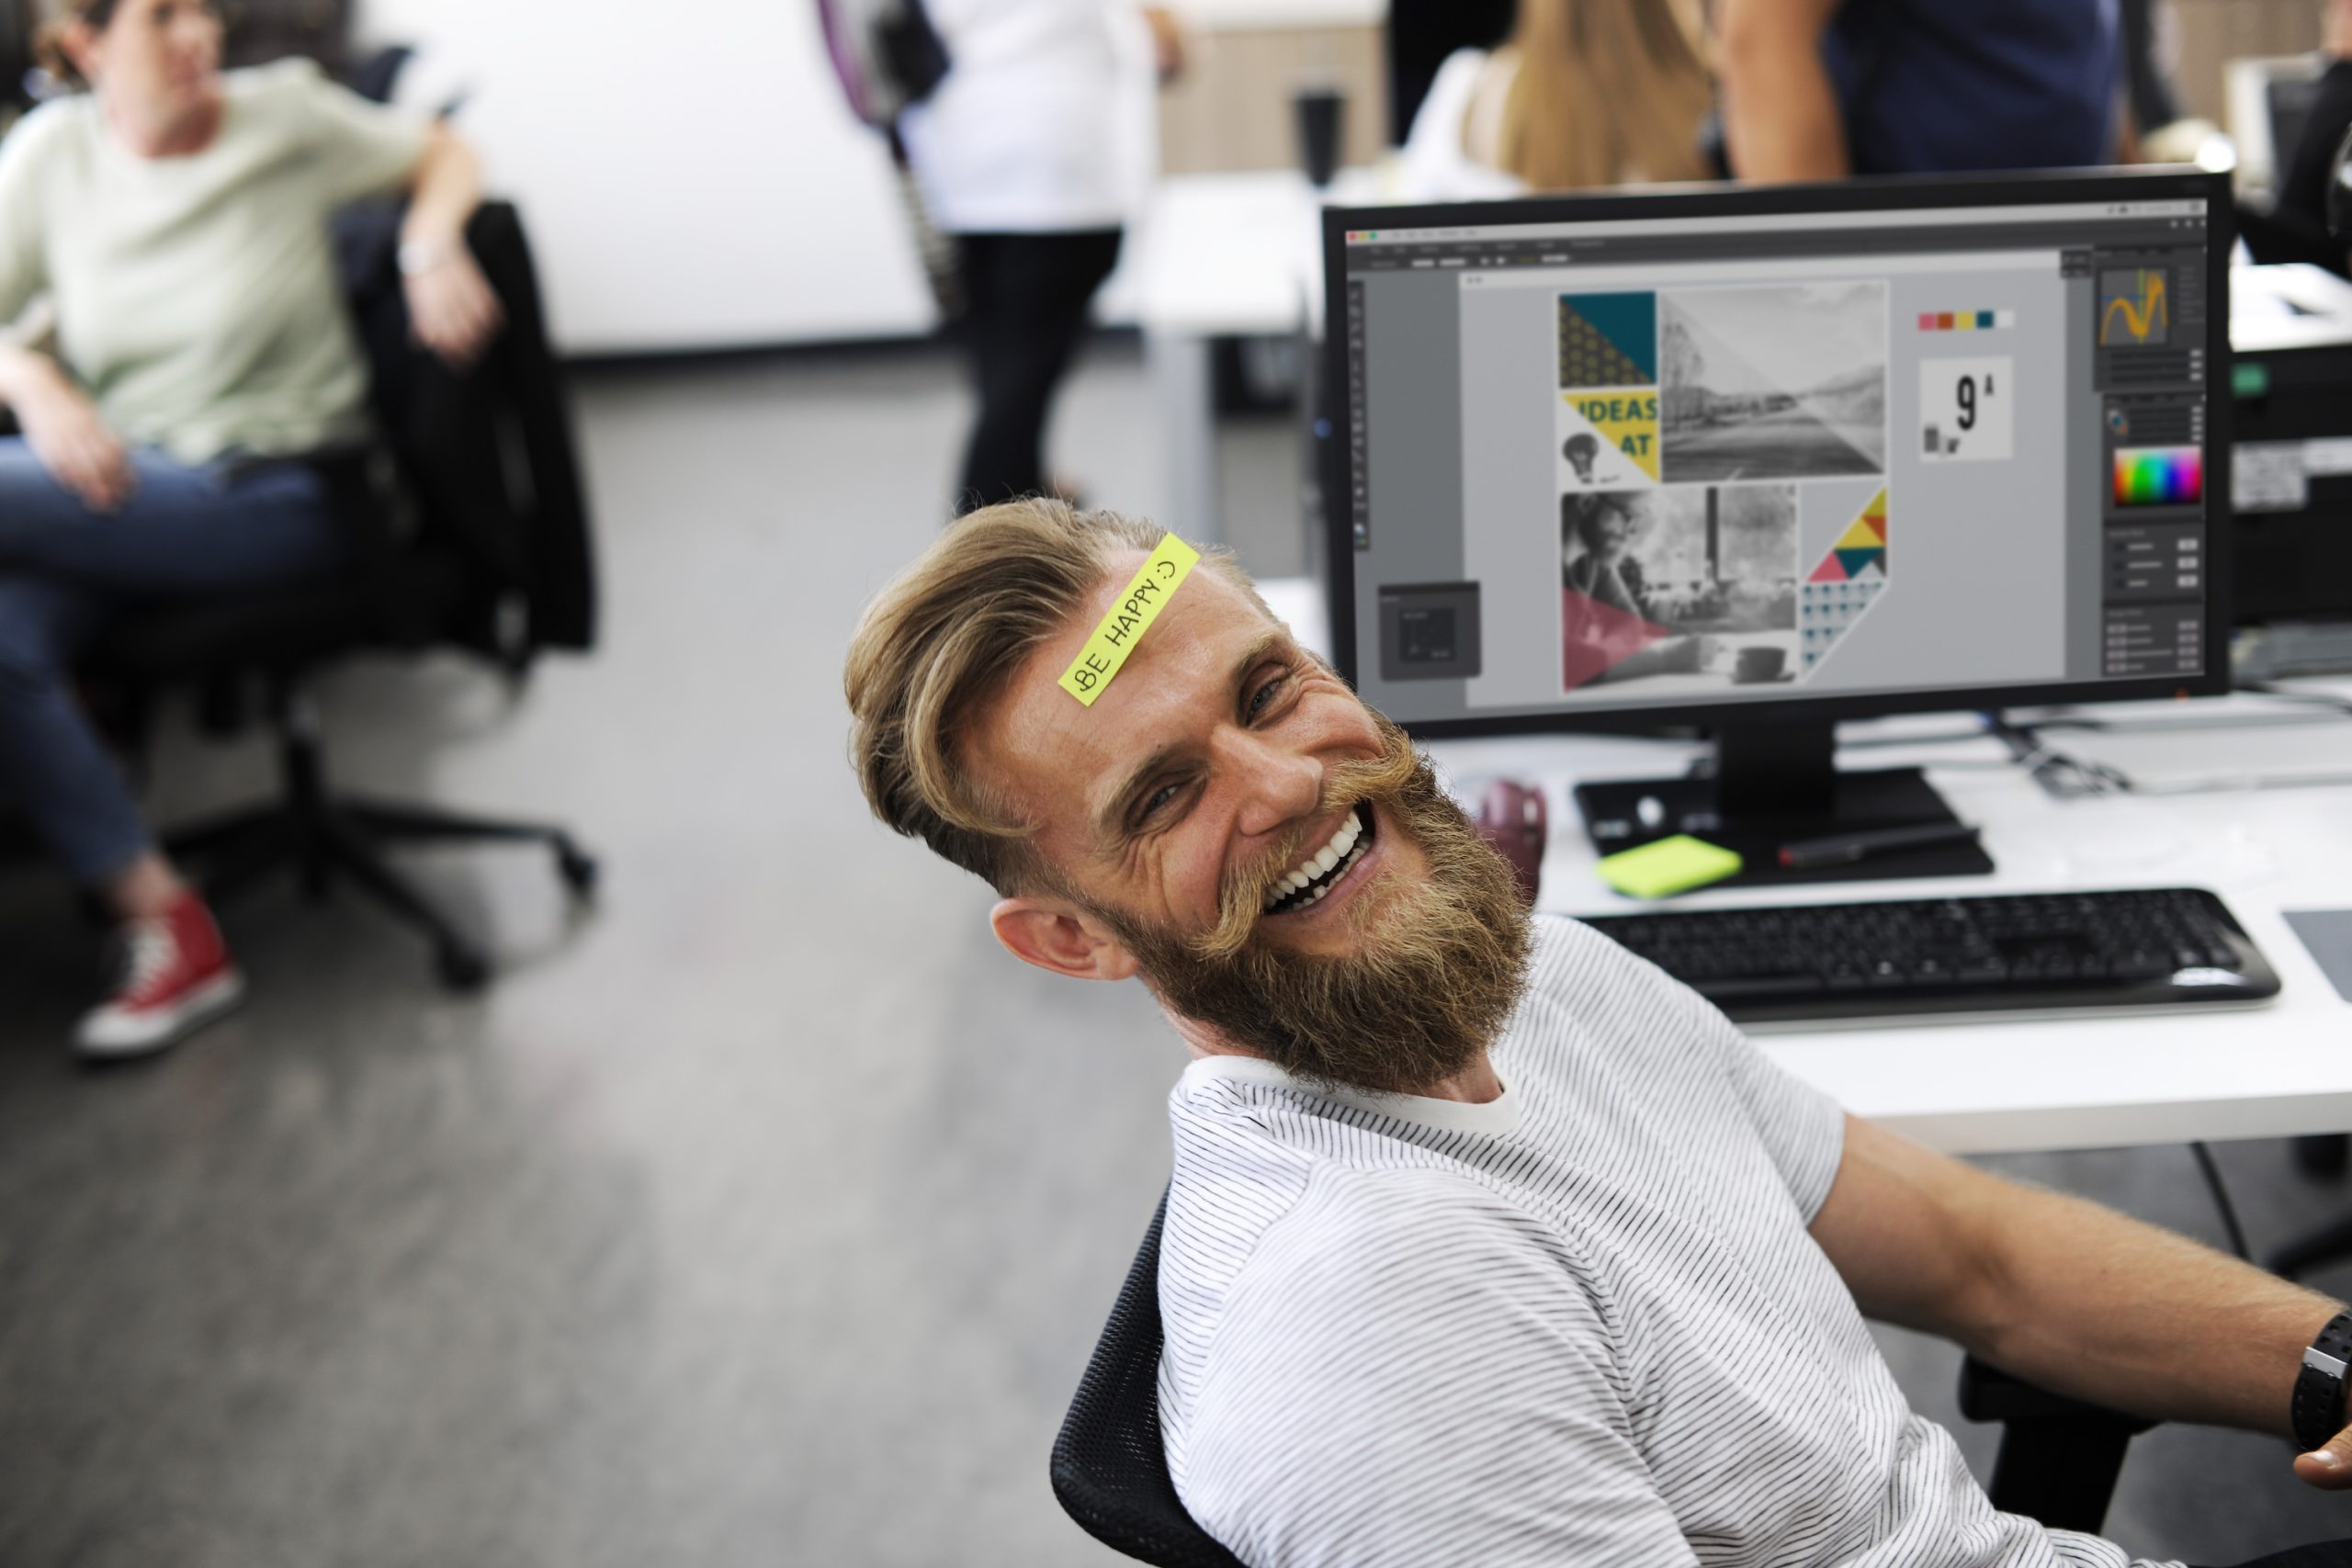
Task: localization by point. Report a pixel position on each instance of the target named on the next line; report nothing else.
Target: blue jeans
(66, 572)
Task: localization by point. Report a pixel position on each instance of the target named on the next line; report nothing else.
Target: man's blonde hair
(942, 641)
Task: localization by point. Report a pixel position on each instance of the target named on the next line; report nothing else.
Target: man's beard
(1439, 965)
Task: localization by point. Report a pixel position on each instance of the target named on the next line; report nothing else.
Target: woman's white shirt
(1025, 133)
(1437, 164)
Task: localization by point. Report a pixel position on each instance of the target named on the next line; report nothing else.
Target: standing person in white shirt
(1486, 1242)
(1017, 155)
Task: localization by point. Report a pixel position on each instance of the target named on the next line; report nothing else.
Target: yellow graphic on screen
(2136, 299)
(1624, 417)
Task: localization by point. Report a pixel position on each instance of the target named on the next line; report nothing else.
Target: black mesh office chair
(2058, 1461)
(474, 536)
(1109, 1468)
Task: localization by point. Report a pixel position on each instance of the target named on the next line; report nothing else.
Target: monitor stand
(1771, 785)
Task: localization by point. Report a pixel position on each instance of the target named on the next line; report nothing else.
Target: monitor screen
(1862, 448)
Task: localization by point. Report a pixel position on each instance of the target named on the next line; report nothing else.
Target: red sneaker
(176, 977)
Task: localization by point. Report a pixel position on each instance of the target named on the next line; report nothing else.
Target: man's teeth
(1342, 850)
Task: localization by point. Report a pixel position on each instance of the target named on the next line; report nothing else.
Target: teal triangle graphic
(1854, 561)
(1628, 321)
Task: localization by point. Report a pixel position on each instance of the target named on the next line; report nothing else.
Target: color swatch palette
(2159, 475)
(1965, 321)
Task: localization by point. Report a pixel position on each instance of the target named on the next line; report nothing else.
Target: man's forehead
(1043, 736)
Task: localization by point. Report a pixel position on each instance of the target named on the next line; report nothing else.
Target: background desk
(1223, 255)
(1972, 1087)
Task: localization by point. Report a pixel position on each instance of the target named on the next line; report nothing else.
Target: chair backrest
(1109, 1468)
(489, 451)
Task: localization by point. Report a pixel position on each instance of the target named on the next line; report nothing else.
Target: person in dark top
(1820, 89)
(2297, 229)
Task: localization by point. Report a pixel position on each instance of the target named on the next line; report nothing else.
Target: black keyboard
(1992, 953)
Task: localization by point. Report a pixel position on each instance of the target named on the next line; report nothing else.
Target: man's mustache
(1241, 902)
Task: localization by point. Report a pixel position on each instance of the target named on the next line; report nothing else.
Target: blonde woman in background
(1585, 93)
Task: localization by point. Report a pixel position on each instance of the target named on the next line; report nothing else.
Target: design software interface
(1623, 465)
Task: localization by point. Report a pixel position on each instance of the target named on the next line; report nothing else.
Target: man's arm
(1781, 120)
(2067, 1294)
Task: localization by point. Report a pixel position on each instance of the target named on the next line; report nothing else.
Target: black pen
(1844, 849)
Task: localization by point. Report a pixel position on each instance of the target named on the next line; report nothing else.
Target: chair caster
(461, 967)
(578, 868)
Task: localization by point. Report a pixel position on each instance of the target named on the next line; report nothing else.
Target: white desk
(1223, 255)
(1980, 1087)
(2281, 1069)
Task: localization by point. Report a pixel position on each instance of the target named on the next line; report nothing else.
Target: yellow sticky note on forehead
(1145, 595)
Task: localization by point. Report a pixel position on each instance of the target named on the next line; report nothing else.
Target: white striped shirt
(1582, 1324)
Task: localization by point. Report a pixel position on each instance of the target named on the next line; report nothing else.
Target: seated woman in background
(177, 216)
(1585, 93)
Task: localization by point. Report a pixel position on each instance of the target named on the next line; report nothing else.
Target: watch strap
(2317, 1409)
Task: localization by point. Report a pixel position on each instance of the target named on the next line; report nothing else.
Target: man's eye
(1266, 694)
(1159, 797)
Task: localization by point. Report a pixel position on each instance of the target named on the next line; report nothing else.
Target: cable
(2061, 775)
(2221, 1199)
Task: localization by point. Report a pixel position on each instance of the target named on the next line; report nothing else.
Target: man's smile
(1316, 877)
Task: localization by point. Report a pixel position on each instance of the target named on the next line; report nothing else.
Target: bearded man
(1486, 1242)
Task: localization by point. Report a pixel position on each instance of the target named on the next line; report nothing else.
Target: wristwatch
(420, 256)
(2318, 1405)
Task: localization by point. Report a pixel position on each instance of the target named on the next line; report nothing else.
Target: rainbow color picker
(2159, 475)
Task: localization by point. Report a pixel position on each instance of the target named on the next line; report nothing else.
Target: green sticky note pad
(1669, 866)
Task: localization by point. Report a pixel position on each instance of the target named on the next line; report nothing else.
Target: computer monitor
(1758, 460)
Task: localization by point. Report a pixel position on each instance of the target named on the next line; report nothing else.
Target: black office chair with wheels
(2058, 1461)
(474, 536)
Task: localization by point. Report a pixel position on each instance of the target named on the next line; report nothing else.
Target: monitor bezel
(1888, 193)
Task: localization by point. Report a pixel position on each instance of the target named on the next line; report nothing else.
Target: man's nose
(1278, 784)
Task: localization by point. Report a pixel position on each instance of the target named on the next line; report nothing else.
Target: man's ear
(1060, 937)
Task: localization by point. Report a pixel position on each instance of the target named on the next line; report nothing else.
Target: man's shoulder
(1573, 961)
(1393, 1327)
(1256, 1166)
(1590, 1000)
(1350, 1246)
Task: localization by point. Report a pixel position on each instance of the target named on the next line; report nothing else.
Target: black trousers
(1026, 298)
(2323, 1554)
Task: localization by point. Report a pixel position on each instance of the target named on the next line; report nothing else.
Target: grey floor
(763, 1214)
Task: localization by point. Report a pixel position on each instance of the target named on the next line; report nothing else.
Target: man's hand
(452, 308)
(72, 441)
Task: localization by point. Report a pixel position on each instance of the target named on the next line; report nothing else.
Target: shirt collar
(1497, 1117)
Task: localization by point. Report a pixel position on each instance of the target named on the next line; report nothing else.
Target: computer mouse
(1511, 816)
